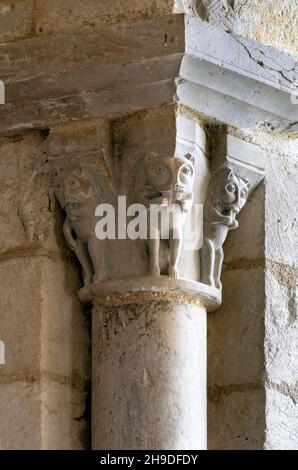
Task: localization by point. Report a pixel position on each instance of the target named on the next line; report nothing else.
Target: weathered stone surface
(245, 56)
(218, 12)
(109, 45)
(106, 104)
(281, 421)
(281, 329)
(20, 408)
(20, 301)
(47, 365)
(108, 79)
(272, 22)
(140, 397)
(112, 71)
(236, 331)
(64, 336)
(246, 244)
(57, 16)
(29, 213)
(16, 19)
(64, 415)
(282, 224)
(236, 417)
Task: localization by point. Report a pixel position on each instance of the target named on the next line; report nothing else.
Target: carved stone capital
(214, 11)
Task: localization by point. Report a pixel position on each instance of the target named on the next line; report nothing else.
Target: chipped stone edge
(129, 290)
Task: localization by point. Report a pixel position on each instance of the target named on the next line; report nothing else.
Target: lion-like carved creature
(226, 196)
(79, 197)
(167, 183)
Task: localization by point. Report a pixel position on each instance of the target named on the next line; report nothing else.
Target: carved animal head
(79, 190)
(230, 191)
(164, 175)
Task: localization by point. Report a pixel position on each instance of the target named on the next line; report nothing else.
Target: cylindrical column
(149, 375)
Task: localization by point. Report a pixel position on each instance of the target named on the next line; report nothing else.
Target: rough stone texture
(56, 16)
(281, 312)
(265, 310)
(233, 422)
(236, 394)
(110, 69)
(42, 324)
(28, 211)
(236, 397)
(272, 22)
(248, 57)
(282, 225)
(87, 61)
(20, 407)
(46, 368)
(149, 389)
(16, 19)
(281, 423)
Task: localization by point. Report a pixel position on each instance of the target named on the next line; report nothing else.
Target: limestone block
(20, 409)
(55, 339)
(245, 56)
(236, 418)
(64, 334)
(281, 421)
(272, 22)
(247, 243)
(236, 332)
(64, 424)
(54, 16)
(55, 84)
(15, 19)
(46, 375)
(21, 315)
(109, 44)
(28, 211)
(281, 329)
(281, 193)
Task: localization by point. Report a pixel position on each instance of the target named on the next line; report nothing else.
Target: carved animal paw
(155, 270)
(173, 272)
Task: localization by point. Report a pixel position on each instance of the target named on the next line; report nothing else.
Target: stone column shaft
(149, 375)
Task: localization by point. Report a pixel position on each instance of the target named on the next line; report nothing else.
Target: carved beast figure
(79, 197)
(166, 182)
(226, 196)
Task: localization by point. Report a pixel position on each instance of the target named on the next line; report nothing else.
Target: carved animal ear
(231, 174)
(151, 156)
(224, 171)
(190, 157)
(247, 183)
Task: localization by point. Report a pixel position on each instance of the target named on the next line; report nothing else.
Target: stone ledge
(139, 289)
(234, 99)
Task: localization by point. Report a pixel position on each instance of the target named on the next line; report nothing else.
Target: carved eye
(186, 170)
(230, 188)
(161, 169)
(73, 183)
